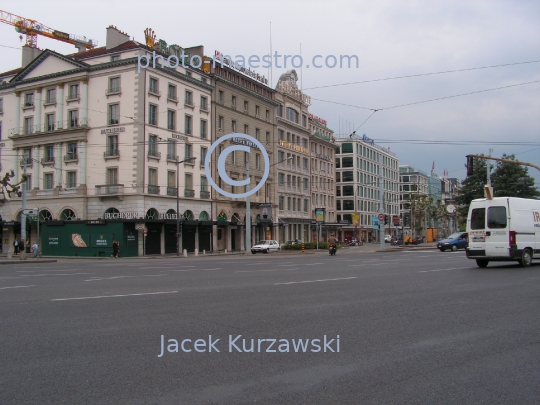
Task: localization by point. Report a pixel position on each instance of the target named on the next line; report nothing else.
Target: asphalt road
(414, 328)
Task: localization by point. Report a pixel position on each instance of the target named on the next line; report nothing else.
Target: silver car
(265, 246)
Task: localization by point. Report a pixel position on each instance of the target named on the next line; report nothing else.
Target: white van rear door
(497, 237)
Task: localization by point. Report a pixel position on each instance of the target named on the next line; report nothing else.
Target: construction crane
(32, 28)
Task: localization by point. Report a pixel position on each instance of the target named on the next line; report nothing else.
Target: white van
(503, 229)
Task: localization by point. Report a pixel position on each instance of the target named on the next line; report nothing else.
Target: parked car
(388, 238)
(265, 246)
(454, 242)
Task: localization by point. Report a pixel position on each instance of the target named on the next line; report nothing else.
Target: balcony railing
(72, 96)
(153, 189)
(28, 104)
(71, 156)
(111, 153)
(154, 154)
(49, 160)
(50, 126)
(27, 160)
(172, 191)
(189, 193)
(172, 157)
(172, 97)
(110, 189)
(205, 194)
(113, 90)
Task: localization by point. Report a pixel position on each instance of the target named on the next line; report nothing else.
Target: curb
(28, 261)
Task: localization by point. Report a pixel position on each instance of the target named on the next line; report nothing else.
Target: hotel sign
(323, 157)
(180, 137)
(287, 88)
(248, 72)
(368, 140)
(245, 142)
(291, 146)
(134, 215)
(315, 118)
(113, 130)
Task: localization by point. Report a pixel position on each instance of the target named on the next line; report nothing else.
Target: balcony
(27, 105)
(189, 193)
(172, 158)
(153, 189)
(205, 194)
(109, 189)
(113, 90)
(154, 92)
(154, 154)
(50, 127)
(172, 97)
(27, 160)
(71, 157)
(73, 97)
(172, 191)
(49, 160)
(111, 153)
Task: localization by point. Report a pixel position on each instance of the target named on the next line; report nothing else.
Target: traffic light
(470, 165)
(386, 219)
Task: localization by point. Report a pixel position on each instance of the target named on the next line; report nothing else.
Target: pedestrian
(116, 247)
(22, 249)
(16, 246)
(35, 250)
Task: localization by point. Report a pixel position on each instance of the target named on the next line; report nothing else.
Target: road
(420, 327)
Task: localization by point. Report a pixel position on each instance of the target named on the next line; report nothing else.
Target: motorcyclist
(332, 239)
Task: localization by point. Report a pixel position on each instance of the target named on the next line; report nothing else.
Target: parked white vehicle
(265, 246)
(503, 229)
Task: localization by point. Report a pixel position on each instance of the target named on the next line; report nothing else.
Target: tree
(471, 188)
(7, 187)
(513, 180)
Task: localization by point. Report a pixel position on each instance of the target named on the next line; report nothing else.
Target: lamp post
(178, 203)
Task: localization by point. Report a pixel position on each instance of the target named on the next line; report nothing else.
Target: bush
(309, 245)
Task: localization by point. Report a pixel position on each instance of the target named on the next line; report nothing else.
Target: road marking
(43, 275)
(113, 296)
(217, 268)
(286, 265)
(33, 271)
(310, 264)
(17, 286)
(160, 267)
(315, 281)
(112, 278)
(256, 271)
(451, 268)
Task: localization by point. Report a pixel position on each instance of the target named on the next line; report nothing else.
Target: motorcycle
(332, 249)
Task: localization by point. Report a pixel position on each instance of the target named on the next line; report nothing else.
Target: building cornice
(242, 88)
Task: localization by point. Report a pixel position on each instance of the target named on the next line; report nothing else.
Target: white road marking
(159, 267)
(309, 264)
(315, 281)
(17, 286)
(451, 268)
(43, 275)
(112, 278)
(113, 296)
(287, 265)
(256, 271)
(217, 268)
(256, 264)
(34, 271)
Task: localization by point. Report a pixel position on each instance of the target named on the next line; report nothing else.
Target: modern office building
(412, 181)
(361, 166)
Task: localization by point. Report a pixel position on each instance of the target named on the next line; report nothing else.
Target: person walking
(116, 248)
(15, 247)
(35, 250)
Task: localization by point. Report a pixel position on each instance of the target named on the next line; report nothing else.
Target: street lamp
(178, 202)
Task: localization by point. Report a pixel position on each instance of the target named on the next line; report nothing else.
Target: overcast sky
(390, 38)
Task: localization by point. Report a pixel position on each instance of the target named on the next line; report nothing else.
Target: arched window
(188, 215)
(68, 215)
(171, 214)
(45, 215)
(152, 214)
(203, 216)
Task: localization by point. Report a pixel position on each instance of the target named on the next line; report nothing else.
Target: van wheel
(482, 263)
(454, 248)
(526, 258)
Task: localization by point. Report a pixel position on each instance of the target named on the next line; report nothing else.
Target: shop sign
(246, 142)
(101, 240)
(315, 118)
(53, 240)
(291, 146)
(113, 130)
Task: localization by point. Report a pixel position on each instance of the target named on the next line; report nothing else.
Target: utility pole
(248, 211)
(488, 169)
(381, 201)
(23, 216)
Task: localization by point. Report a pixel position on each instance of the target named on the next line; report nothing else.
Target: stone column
(17, 165)
(82, 160)
(84, 101)
(60, 103)
(38, 109)
(37, 166)
(17, 126)
(58, 164)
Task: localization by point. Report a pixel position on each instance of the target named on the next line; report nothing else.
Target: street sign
(32, 217)
(145, 230)
(139, 226)
(395, 220)
(380, 217)
(30, 211)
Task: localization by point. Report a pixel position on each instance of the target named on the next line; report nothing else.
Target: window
(305, 205)
(71, 181)
(171, 92)
(188, 181)
(112, 145)
(246, 129)
(171, 120)
(257, 111)
(289, 205)
(171, 180)
(187, 126)
(496, 217)
(152, 145)
(204, 103)
(348, 176)
(267, 137)
(152, 114)
(1, 105)
(29, 100)
(112, 176)
(257, 161)
(49, 121)
(347, 147)
(188, 151)
(72, 150)
(281, 179)
(189, 98)
(203, 155)
(347, 162)
(171, 149)
(478, 218)
(28, 183)
(281, 200)
(73, 91)
(114, 85)
(114, 114)
(73, 118)
(153, 85)
(220, 96)
(304, 120)
(28, 125)
(246, 107)
(221, 123)
(50, 96)
(153, 187)
(292, 115)
(281, 156)
(279, 110)
(257, 134)
(246, 157)
(267, 115)
(305, 184)
(233, 101)
(48, 181)
(203, 129)
(305, 163)
(281, 134)
(233, 126)
(204, 183)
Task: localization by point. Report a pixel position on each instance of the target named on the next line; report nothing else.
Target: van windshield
(478, 218)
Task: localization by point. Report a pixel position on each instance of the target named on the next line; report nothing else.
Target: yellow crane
(32, 28)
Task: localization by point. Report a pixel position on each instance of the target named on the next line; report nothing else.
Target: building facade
(411, 181)
(99, 142)
(361, 166)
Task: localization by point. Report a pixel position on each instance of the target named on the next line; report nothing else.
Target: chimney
(115, 37)
(29, 54)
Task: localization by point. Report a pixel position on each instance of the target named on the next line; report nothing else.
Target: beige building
(100, 139)
(293, 157)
